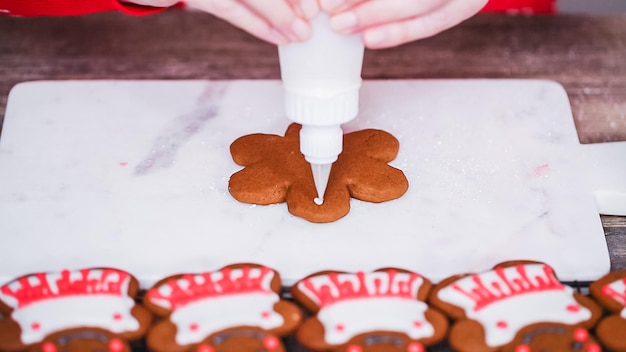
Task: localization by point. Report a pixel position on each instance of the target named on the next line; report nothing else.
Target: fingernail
(309, 8)
(277, 38)
(374, 36)
(301, 29)
(344, 22)
(330, 5)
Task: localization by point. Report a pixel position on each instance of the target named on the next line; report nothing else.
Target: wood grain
(586, 54)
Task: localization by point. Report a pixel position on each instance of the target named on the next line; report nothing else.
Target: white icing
(40, 319)
(503, 318)
(195, 321)
(374, 314)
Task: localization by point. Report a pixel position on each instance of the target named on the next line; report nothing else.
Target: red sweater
(30, 8)
(82, 7)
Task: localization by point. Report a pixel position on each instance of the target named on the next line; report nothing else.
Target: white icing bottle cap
(322, 76)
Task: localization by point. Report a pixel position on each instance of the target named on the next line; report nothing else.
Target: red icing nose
(594, 348)
(205, 348)
(48, 347)
(354, 348)
(271, 343)
(116, 345)
(581, 335)
(415, 347)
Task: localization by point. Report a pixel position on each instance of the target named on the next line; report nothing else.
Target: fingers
(376, 12)
(387, 23)
(241, 16)
(335, 6)
(307, 8)
(276, 21)
(282, 17)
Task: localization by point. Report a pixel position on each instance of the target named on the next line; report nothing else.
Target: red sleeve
(521, 6)
(70, 7)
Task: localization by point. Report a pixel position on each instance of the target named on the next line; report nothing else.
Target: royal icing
(617, 291)
(505, 300)
(352, 304)
(46, 303)
(203, 304)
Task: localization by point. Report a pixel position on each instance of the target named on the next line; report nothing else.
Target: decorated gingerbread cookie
(383, 310)
(72, 311)
(276, 172)
(610, 291)
(237, 308)
(517, 306)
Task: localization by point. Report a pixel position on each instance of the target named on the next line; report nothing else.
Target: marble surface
(133, 174)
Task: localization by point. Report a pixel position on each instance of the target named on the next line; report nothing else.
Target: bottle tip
(321, 173)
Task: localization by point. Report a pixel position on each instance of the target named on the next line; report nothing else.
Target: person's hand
(275, 21)
(387, 23)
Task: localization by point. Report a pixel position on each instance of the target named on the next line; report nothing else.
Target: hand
(275, 21)
(387, 23)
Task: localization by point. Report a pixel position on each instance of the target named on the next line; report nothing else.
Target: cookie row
(517, 306)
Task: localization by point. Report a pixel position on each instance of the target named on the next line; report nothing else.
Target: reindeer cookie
(610, 291)
(237, 308)
(72, 311)
(360, 312)
(517, 306)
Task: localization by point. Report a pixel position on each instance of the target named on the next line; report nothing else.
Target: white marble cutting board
(133, 174)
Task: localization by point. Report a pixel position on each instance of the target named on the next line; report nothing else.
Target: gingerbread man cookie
(72, 311)
(275, 172)
(610, 292)
(383, 310)
(237, 308)
(517, 306)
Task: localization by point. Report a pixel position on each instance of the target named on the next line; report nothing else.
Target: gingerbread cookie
(275, 171)
(518, 306)
(72, 311)
(383, 310)
(610, 292)
(237, 308)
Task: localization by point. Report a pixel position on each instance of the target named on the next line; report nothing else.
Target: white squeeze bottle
(322, 78)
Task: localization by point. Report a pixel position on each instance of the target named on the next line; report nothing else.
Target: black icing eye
(577, 346)
(379, 339)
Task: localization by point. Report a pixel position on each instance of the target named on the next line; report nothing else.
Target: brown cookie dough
(610, 292)
(72, 311)
(237, 308)
(515, 303)
(275, 171)
(383, 310)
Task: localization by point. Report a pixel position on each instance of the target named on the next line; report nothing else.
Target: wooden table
(586, 54)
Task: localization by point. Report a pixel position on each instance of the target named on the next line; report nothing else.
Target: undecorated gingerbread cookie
(237, 308)
(383, 310)
(610, 291)
(72, 311)
(275, 172)
(518, 306)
